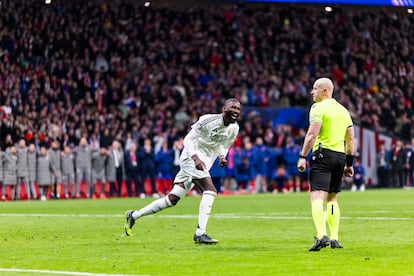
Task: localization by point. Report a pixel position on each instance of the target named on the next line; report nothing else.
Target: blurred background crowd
(77, 77)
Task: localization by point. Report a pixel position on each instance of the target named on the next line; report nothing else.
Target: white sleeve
(190, 140)
(223, 151)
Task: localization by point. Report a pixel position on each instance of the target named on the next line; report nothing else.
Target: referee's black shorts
(326, 170)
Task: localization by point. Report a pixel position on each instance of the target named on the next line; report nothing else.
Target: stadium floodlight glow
(48, 1)
(328, 9)
(410, 11)
(397, 3)
(147, 4)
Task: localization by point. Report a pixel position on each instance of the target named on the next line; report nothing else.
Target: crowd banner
(368, 143)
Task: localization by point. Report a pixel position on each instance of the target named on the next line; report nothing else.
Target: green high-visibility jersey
(335, 120)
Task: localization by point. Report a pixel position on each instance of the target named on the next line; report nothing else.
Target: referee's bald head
(325, 83)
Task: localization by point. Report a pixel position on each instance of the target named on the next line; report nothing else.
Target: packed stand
(82, 83)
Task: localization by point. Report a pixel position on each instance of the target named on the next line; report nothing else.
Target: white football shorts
(188, 172)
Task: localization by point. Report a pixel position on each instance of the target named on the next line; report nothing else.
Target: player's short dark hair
(230, 100)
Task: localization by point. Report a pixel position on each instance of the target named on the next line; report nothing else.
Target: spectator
(115, 169)
(383, 166)
(411, 164)
(291, 153)
(177, 149)
(148, 169)
(408, 169)
(261, 154)
(358, 177)
(158, 140)
(164, 162)
(229, 181)
(106, 139)
(129, 140)
(397, 164)
(132, 170)
(281, 178)
(248, 151)
(244, 174)
(94, 143)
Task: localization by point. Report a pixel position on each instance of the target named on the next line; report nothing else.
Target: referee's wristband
(349, 160)
(302, 156)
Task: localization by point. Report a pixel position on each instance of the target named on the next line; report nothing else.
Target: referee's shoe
(320, 243)
(336, 244)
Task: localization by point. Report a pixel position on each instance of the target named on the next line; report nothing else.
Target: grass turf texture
(259, 235)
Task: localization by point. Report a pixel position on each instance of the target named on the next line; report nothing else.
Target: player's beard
(229, 117)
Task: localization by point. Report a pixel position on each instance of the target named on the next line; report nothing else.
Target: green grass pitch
(259, 235)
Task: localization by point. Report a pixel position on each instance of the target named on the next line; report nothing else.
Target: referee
(331, 138)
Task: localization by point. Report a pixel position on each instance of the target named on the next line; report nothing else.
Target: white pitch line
(63, 215)
(220, 216)
(46, 271)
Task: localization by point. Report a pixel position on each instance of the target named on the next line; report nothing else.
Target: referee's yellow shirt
(335, 120)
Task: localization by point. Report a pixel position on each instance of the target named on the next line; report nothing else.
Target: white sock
(206, 203)
(153, 207)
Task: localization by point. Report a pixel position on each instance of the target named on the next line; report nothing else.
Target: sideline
(45, 271)
(276, 216)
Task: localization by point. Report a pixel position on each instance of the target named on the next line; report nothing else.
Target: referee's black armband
(349, 160)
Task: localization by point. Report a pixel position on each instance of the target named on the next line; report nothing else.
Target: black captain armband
(349, 160)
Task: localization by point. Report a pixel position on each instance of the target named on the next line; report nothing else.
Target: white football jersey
(209, 138)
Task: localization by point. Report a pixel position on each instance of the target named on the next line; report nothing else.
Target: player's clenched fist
(222, 161)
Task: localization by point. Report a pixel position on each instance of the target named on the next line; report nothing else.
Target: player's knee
(173, 199)
(210, 188)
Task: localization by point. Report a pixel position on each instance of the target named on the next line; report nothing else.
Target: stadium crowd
(91, 79)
